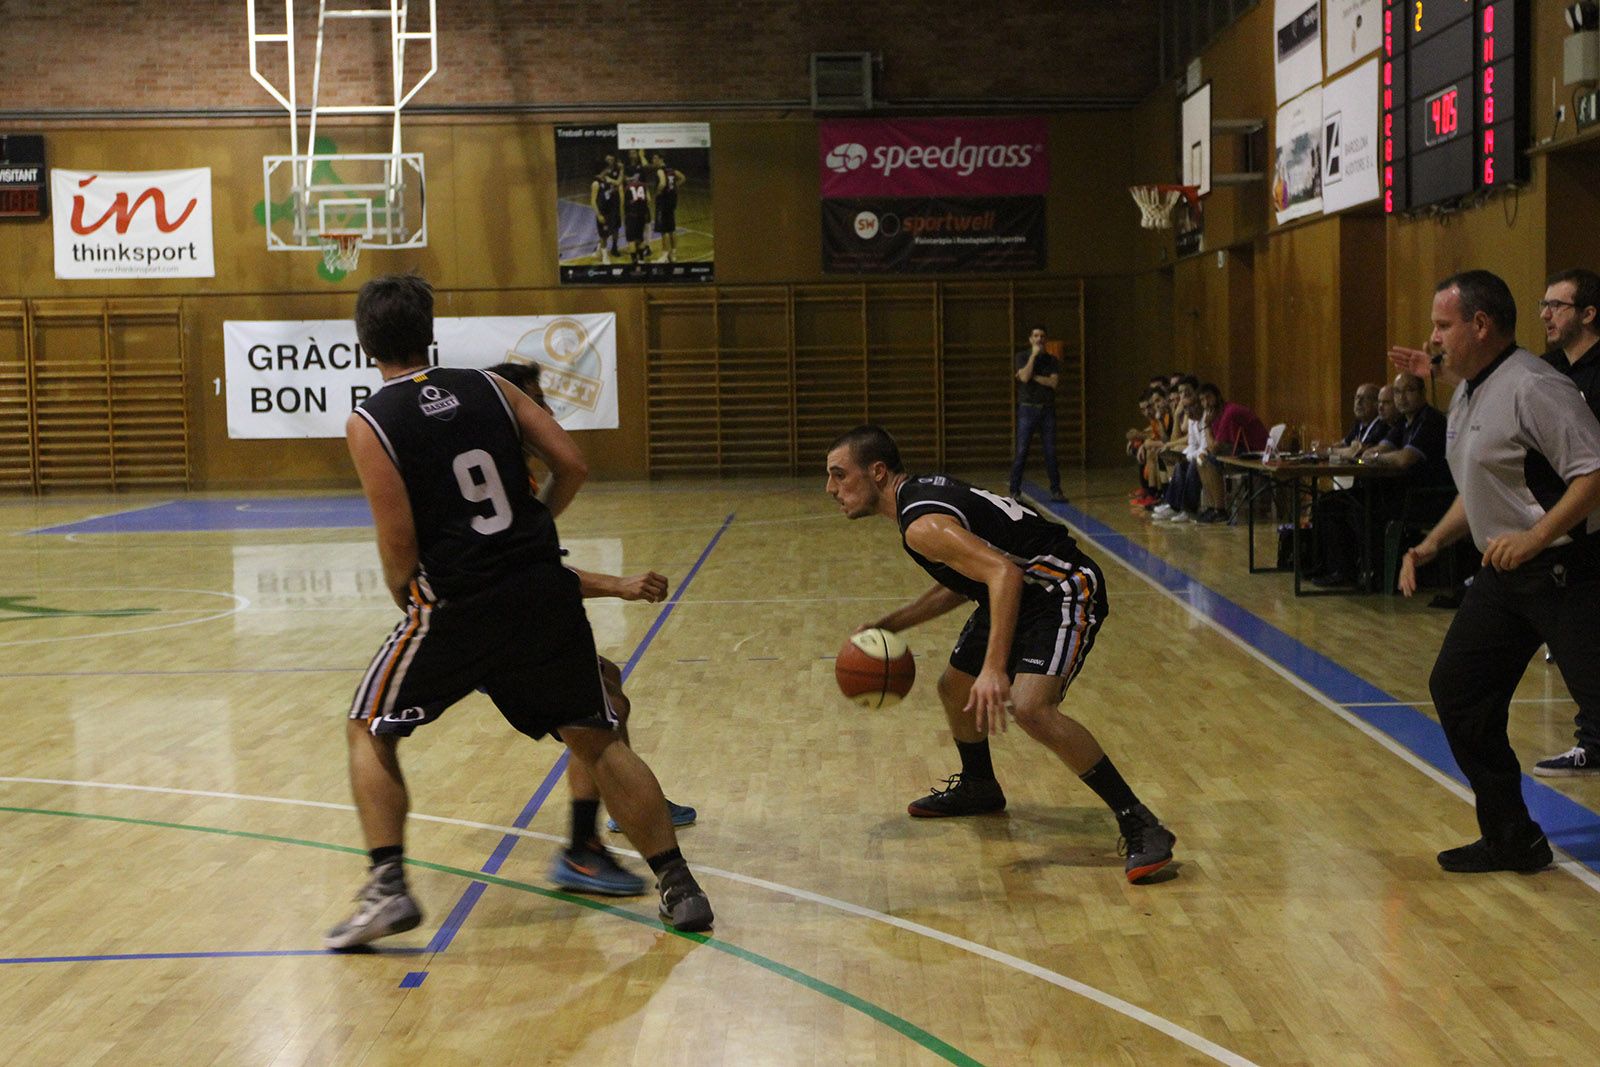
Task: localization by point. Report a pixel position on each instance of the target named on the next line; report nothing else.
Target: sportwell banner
(922, 196)
(633, 203)
(133, 224)
(302, 379)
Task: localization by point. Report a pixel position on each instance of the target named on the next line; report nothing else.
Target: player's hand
(1410, 360)
(1416, 557)
(1511, 551)
(989, 701)
(649, 586)
(880, 624)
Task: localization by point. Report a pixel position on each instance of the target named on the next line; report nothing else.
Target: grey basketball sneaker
(1146, 843)
(384, 907)
(683, 903)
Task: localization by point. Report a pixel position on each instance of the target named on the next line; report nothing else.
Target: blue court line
(1567, 823)
(237, 513)
(240, 955)
(469, 899)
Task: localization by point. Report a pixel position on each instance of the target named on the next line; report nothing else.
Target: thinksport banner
(923, 196)
(302, 379)
(633, 203)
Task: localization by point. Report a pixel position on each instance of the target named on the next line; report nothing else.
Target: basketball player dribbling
(1040, 604)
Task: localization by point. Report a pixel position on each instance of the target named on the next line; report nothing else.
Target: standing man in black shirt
(1040, 604)
(1037, 373)
(1570, 312)
(668, 181)
(471, 556)
(1525, 450)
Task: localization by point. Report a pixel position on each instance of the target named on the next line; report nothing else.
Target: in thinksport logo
(961, 158)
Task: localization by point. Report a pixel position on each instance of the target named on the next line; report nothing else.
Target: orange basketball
(875, 668)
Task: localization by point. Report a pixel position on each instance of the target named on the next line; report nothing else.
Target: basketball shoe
(1482, 856)
(680, 814)
(960, 796)
(1146, 843)
(684, 905)
(592, 869)
(385, 908)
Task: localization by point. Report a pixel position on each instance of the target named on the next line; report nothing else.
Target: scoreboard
(1455, 78)
(23, 190)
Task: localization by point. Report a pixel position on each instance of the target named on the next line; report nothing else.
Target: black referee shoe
(1481, 857)
(960, 796)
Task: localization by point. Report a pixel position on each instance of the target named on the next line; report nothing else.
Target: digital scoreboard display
(1454, 90)
(22, 177)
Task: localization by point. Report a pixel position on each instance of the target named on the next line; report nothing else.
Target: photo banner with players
(302, 379)
(1297, 162)
(633, 203)
(927, 196)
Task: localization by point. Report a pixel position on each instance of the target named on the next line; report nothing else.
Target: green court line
(904, 1027)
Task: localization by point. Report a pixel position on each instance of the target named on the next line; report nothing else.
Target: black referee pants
(1503, 619)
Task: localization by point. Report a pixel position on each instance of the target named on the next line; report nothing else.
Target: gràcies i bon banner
(921, 196)
(302, 379)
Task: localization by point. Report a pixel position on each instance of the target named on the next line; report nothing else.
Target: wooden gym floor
(176, 830)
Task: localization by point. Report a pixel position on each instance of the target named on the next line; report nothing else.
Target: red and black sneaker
(960, 796)
(1146, 843)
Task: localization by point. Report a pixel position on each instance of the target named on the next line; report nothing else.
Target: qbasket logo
(844, 158)
(438, 403)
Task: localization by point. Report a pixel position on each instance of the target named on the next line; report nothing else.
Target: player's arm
(944, 540)
(649, 586)
(391, 507)
(594, 196)
(543, 436)
(930, 605)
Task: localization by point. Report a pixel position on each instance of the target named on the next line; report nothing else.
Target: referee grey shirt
(1519, 433)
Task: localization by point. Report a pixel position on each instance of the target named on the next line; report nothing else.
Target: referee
(1525, 452)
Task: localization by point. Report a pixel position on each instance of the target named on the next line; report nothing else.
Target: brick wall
(141, 54)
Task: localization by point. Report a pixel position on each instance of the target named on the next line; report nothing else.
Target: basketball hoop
(1157, 202)
(341, 249)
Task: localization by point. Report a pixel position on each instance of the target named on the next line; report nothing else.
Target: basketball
(875, 668)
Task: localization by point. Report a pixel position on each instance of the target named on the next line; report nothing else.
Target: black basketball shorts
(525, 642)
(634, 221)
(1062, 610)
(666, 216)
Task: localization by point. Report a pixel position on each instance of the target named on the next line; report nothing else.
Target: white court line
(239, 604)
(1573, 867)
(1005, 959)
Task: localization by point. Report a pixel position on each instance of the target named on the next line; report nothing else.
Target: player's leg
(973, 790)
(1052, 644)
(634, 796)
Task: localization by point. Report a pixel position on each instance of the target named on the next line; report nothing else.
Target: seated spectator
(1416, 444)
(1368, 429)
(1233, 428)
(1182, 499)
(1145, 444)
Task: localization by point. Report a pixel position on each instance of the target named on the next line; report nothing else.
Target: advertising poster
(302, 379)
(132, 224)
(1297, 46)
(633, 203)
(1350, 139)
(920, 196)
(1297, 166)
(1355, 29)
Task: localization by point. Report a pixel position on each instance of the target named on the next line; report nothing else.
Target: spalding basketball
(875, 668)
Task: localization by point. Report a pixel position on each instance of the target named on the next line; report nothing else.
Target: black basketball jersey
(456, 443)
(635, 193)
(607, 197)
(668, 184)
(1043, 549)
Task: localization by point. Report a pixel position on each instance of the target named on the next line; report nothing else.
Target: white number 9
(490, 489)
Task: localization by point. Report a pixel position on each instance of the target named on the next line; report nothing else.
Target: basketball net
(1156, 203)
(341, 249)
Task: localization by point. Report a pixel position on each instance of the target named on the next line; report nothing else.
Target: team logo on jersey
(437, 403)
